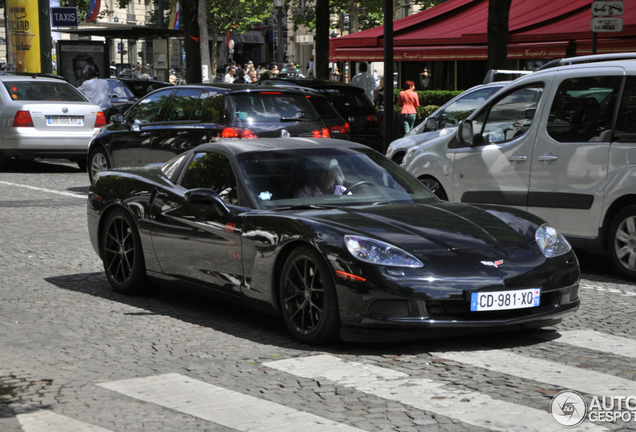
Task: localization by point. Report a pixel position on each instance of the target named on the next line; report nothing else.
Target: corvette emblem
(495, 264)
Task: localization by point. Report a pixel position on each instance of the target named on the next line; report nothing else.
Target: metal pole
(594, 42)
(388, 73)
(280, 44)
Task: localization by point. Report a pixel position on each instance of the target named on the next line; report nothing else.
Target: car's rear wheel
(122, 254)
(622, 242)
(4, 162)
(308, 297)
(434, 186)
(97, 162)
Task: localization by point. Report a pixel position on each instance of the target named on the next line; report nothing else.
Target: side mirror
(117, 118)
(206, 196)
(465, 133)
(431, 123)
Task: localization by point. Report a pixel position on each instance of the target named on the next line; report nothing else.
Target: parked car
(444, 121)
(45, 117)
(124, 92)
(558, 143)
(378, 257)
(172, 120)
(351, 103)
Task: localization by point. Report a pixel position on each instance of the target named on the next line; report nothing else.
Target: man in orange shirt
(409, 101)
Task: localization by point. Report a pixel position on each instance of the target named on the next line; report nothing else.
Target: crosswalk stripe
(468, 406)
(544, 371)
(594, 340)
(221, 406)
(48, 421)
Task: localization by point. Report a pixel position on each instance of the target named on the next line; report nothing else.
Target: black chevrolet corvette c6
(333, 237)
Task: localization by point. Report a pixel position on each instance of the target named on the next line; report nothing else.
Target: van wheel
(434, 186)
(622, 242)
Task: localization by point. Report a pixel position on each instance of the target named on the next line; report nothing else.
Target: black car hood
(424, 228)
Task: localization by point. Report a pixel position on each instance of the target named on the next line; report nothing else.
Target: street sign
(608, 8)
(64, 17)
(600, 24)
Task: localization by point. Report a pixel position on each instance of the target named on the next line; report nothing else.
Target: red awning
(457, 30)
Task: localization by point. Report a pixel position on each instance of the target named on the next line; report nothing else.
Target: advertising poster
(23, 35)
(72, 56)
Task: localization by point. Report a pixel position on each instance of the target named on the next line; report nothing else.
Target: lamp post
(280, 44)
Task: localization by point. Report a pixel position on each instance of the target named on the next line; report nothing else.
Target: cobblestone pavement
(66, 337)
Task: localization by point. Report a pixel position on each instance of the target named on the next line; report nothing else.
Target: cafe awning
(457, 30)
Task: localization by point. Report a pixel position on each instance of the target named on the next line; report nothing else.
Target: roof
(124, 32)
(457, 29)
(272, 144)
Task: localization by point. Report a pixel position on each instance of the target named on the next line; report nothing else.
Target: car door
(129, 146)
(195, 242)
(570, 163)
(180, 130)
(496, 168)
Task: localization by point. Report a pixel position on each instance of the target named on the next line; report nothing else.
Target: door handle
(548, 157)
(517, 158)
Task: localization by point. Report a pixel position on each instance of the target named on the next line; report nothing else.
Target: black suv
(350, 102)
(126, 91)
(172, 120)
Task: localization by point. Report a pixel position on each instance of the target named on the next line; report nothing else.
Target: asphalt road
(74, 356)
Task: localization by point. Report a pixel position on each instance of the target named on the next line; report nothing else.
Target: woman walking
(408, 101)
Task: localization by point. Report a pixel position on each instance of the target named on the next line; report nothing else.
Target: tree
(204, 42)
(191, 37)
(498, 16)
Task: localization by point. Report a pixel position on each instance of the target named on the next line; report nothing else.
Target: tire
(621, 242)
(97, 161)
(82, 164)
(308, 298)
(434, 186)
(4, 162)
(122, 254)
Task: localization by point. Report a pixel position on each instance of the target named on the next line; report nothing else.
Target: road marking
(594, 340)
(544, 371)
(48, 421)
(467, 406)
(221, 406)
(68, 194)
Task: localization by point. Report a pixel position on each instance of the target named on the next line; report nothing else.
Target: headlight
(550, 242)
(380, 253)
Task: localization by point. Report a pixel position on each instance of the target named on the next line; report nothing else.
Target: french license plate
(64, 120)
(502, 300)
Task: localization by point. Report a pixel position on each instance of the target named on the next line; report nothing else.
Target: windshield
(270, 107)
(43, 91)
(328, 177)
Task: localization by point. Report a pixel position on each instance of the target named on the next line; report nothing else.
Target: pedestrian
(364, 81)
(310, 67)
(94, 88)
(409, 101)
(424, 79)
(229, 76)
(180, 78)
(144, 73)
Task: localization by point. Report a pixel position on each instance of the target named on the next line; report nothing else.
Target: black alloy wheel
(97, 162)
(308, 297)
(122, 254)
(622, 242)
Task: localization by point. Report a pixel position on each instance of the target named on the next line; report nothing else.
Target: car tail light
(100, 120)
(340, 129)
(238, 133)
(373, 118)
(322, 133)
(22, 119)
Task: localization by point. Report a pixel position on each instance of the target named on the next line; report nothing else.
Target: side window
(214, 111)
(626, 122)
(213, 171)
(511, 116)
(583, 108)
(149, 109)
(183, 104)
(463, 107)
(119, 90)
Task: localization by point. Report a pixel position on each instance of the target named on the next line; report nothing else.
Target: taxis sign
(64, 17)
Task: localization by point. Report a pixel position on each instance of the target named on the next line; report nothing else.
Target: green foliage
(239, 15)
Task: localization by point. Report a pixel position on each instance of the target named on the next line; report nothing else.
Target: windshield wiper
(291, 119)
(305, 207)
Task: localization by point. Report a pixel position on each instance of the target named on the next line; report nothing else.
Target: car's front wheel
(622, 242)
(97, 162)
(122, 254)
(434, 186)
(308, 297)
